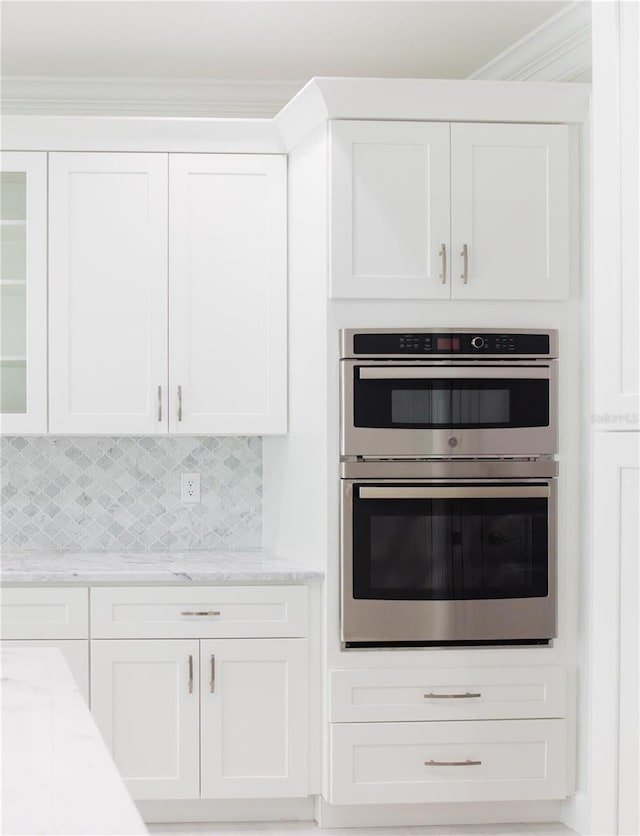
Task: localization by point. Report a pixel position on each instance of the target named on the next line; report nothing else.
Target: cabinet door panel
(254, 718)
(389, 210)
(23, 292)
(509, 205)
(108, 293)
(227, 294)
(148, 713)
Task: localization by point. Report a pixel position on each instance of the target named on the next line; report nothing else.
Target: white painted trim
(558, 50)
(403, 815)
(57, 95)
(575, 812)
(227, 810)
(429, 100)
(145, 134)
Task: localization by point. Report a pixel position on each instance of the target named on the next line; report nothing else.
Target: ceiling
(265, 41)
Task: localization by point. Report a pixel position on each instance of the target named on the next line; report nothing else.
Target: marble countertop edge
(93, 568)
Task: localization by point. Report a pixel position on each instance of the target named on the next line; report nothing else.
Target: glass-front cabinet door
(23, 292)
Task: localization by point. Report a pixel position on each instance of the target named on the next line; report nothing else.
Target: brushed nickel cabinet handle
(159, 403)
(465, 263)
(465, 696)
(212, 681)
(179, 403)
(200, 612)
(190, 674)
(443, 255)
(453, 763)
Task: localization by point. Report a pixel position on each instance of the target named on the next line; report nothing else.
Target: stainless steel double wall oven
(448, 487)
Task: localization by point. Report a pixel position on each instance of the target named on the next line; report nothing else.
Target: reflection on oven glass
(457, 407)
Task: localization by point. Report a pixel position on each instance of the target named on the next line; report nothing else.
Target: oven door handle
(452, 372)
(409, 492)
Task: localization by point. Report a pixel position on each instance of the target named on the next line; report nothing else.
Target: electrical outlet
(189, 487)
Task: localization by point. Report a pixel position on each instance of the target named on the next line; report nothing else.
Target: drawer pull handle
(200, 612)
(453, 763)
(212, 681)
(466, 696)
(190, 674)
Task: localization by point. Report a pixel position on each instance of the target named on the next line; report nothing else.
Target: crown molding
(58, 96)
(558, 50)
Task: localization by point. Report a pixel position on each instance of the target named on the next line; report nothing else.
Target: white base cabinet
(254, 721)
(146, 704)
(216, 705)
(516, 760)
(448, 734)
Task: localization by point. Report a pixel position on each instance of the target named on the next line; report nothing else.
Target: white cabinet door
(23, 292)
(227, 290)
(108, 293)
(76, 655)
(145, 700)
(254, 736)
(389, 206)
(510, 210)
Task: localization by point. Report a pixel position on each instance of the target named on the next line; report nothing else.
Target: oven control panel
(451, 343)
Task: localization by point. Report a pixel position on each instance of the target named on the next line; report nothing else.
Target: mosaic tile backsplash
(122, 493)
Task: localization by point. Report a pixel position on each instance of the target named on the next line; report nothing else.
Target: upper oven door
(448, 409)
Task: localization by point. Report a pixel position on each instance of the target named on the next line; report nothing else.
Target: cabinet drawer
(447, 694)
(199, 612)
(44, 613)
(501, 760)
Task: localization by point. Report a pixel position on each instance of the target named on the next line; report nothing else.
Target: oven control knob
(453, 441)
(477, 342)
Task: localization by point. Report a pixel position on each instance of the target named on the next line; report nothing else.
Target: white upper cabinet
(465, 211)
(108, 293)
(389, 210)
(509, 211)
(168, 294)
(227, 290)
(23, 292)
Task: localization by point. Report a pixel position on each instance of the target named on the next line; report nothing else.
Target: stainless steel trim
(503, 491)
(212, 680)
(347, 335)
(449, 469)
(200, 612)
(466, 696)
(464, 252)
(190, 674)
(179, 403)
(159, 403)
(425, 372)
(453, 763)
(443, 255)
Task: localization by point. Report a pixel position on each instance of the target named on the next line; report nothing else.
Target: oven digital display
(448, 343)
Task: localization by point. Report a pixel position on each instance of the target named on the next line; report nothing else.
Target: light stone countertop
(58, 776)
(200, 567)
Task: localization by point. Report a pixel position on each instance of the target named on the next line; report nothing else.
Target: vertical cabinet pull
(179, 403)
(443, 256)
(190, 674)
(464, 252)
(159, 403)
(212, 680)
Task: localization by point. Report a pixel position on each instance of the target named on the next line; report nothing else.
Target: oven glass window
(444, 404)
(450, 549)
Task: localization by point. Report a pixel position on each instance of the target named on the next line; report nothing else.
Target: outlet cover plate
(189, 487)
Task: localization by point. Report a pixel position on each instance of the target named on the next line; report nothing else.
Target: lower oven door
(436, 562)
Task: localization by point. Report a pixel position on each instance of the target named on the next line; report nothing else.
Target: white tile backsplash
(124, 493)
